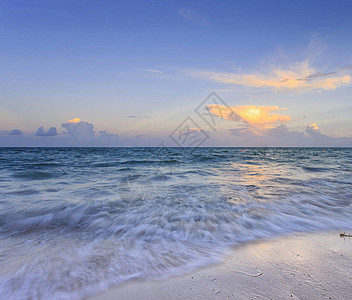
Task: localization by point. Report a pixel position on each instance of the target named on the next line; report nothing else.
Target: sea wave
(67, 237)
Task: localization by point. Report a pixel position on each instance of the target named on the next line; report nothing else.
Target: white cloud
(138, 117)
(189, 15)
(79, 129)
(108, 139)
(298, 76)
(15, 132)
(154, 71)
(285, 137)
(82, 133)
(51, 131)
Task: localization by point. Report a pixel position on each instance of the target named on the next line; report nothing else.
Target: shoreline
(301, 266)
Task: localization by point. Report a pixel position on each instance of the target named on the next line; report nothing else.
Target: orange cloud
(313, 126)
(298, 76)
(257, 116)
(333, 83)
(75, 120)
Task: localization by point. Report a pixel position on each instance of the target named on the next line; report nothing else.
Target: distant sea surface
(74, 221)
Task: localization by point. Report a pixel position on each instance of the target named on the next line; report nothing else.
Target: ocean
(75, 221)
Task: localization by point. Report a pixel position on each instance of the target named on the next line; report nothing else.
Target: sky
(175, 73)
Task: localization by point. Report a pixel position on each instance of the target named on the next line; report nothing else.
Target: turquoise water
(74, 221)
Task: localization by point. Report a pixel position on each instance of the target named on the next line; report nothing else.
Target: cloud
(15, 132)
(108, 139)
(313, 126)
(256, 116)
(79, 129)
(154, 71)
(189, 15)
(298, 76)
(141, 137)
(78, 133)
(51, 131)
(282, 136)
(261, 126)
(192, 136)
(82, 134)
(192, 133)
(75, 120)
(138, 117)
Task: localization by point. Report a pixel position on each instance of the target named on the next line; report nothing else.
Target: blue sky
(135, 70)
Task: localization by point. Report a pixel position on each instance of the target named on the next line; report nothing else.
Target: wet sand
(303, 266)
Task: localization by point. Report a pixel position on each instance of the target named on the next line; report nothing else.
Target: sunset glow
(313, 126)
(135, 70)
(175, 149)
(299, 76)
(259, 116)
(75, 120)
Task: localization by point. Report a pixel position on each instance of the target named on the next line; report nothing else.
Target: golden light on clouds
(333, 83)
(313, 126)
(258, 116)
(75, 120)
(298, 76)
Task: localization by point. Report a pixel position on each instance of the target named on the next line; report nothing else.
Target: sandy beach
(302, 266)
